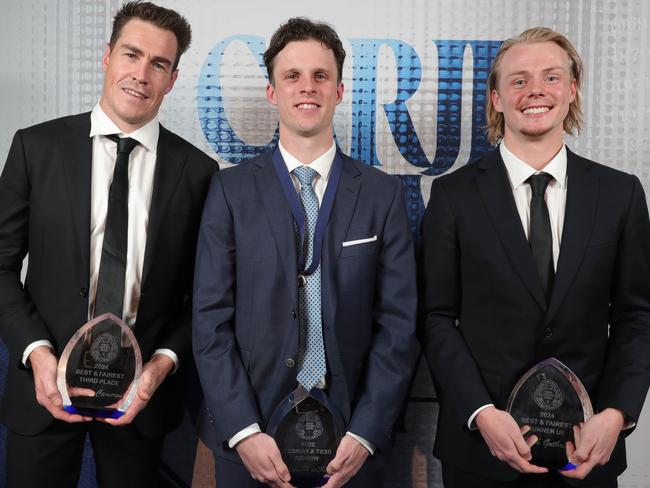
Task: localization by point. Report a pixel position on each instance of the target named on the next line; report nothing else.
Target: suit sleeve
(456, 376)
(228, 394)
(626, 373)
(20, 322)
(393, 351)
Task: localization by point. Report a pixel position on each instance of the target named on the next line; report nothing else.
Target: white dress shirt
(518, 172)
(142, 165)
(322, 165)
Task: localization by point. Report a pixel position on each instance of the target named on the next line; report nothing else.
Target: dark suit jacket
(245, 326)
(478, 270)
(45, 212)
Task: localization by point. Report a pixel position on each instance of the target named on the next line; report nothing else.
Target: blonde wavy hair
(573, 120)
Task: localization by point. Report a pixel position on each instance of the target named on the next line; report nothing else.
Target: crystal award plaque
(551, 399)
(307, 430)
(100, 368)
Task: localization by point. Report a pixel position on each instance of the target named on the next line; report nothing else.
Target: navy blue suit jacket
(486, 318)
(245, 327)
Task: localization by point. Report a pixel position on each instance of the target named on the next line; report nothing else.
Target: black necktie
(540, 238)
(112, 267)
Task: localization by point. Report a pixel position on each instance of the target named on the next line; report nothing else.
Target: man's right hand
(262, 458)
(44, 364)
(506, 440)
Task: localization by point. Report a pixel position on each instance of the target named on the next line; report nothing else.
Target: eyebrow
(140, 52)
(545, 70)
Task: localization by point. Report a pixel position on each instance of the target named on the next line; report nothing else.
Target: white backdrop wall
(413, 105)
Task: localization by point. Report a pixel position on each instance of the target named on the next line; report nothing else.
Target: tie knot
(305, 175)
(124, 144)
(538, 183)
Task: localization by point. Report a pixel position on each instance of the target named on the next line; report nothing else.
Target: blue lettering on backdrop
(225, 142)
(212, 114)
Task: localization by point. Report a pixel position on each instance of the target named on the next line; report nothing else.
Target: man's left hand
(349, 458)
(595, 441)
(153, 374)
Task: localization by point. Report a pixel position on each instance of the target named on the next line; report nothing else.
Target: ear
(339, 92)
(106, 58)
(171, 81)
(496, 101)
(270, 94)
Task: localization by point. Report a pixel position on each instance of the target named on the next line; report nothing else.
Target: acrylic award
(99, 369)
(307, 430)
(550, 399)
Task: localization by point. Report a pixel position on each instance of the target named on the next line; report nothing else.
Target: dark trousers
(230, 474)
(52, 458)
(455, 478)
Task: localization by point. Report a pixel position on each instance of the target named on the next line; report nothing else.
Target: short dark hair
(161, 17)
(301, 29)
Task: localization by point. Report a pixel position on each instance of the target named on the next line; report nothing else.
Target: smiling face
(137, 74)
(534, 91)
(306, 91)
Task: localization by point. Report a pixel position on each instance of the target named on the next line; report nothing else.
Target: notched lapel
(278, 214)
(345, 204)
(497, 197)
(170, 162)
(76, 156)
(579, 219)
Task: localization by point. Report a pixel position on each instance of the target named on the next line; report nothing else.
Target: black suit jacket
(486, 320)
(45, 213)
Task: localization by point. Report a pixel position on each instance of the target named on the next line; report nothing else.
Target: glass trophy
(551, 399)
(100, 368)
(307, 430)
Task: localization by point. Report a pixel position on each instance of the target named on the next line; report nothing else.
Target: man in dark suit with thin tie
(259, 328)
(58, 204)
(534, 252)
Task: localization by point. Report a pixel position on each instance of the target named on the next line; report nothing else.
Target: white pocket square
(360, 241)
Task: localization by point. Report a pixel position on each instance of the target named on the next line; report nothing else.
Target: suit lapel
(579, 219)
(76, 151)
(278, 214)
(345, 203)
(496, 193)
(170, 162)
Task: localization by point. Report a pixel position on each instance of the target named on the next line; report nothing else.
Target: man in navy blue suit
(248, 310)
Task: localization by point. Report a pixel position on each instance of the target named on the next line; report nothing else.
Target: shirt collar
(102, 125)
(519, 171)
(322, 164)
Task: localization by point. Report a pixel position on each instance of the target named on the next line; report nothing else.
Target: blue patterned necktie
(311, 353)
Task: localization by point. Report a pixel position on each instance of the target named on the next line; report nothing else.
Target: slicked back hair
(161, 17)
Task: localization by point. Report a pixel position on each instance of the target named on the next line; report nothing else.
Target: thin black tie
(112, 267)
(541, 238)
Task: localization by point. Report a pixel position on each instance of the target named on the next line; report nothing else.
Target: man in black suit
(54, 194)
(514, 274)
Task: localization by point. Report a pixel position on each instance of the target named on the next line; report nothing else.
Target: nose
(141, 73)
(536, 88)
(307, 86)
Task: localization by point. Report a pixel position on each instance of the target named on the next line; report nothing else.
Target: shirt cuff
(470, 423)
(29, 349)
(367, 444)
(170, 354)
(242, 434)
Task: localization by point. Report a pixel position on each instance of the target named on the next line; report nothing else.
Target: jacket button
(294, 314)
(83, 292)
(548, 332)
(290, 363)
